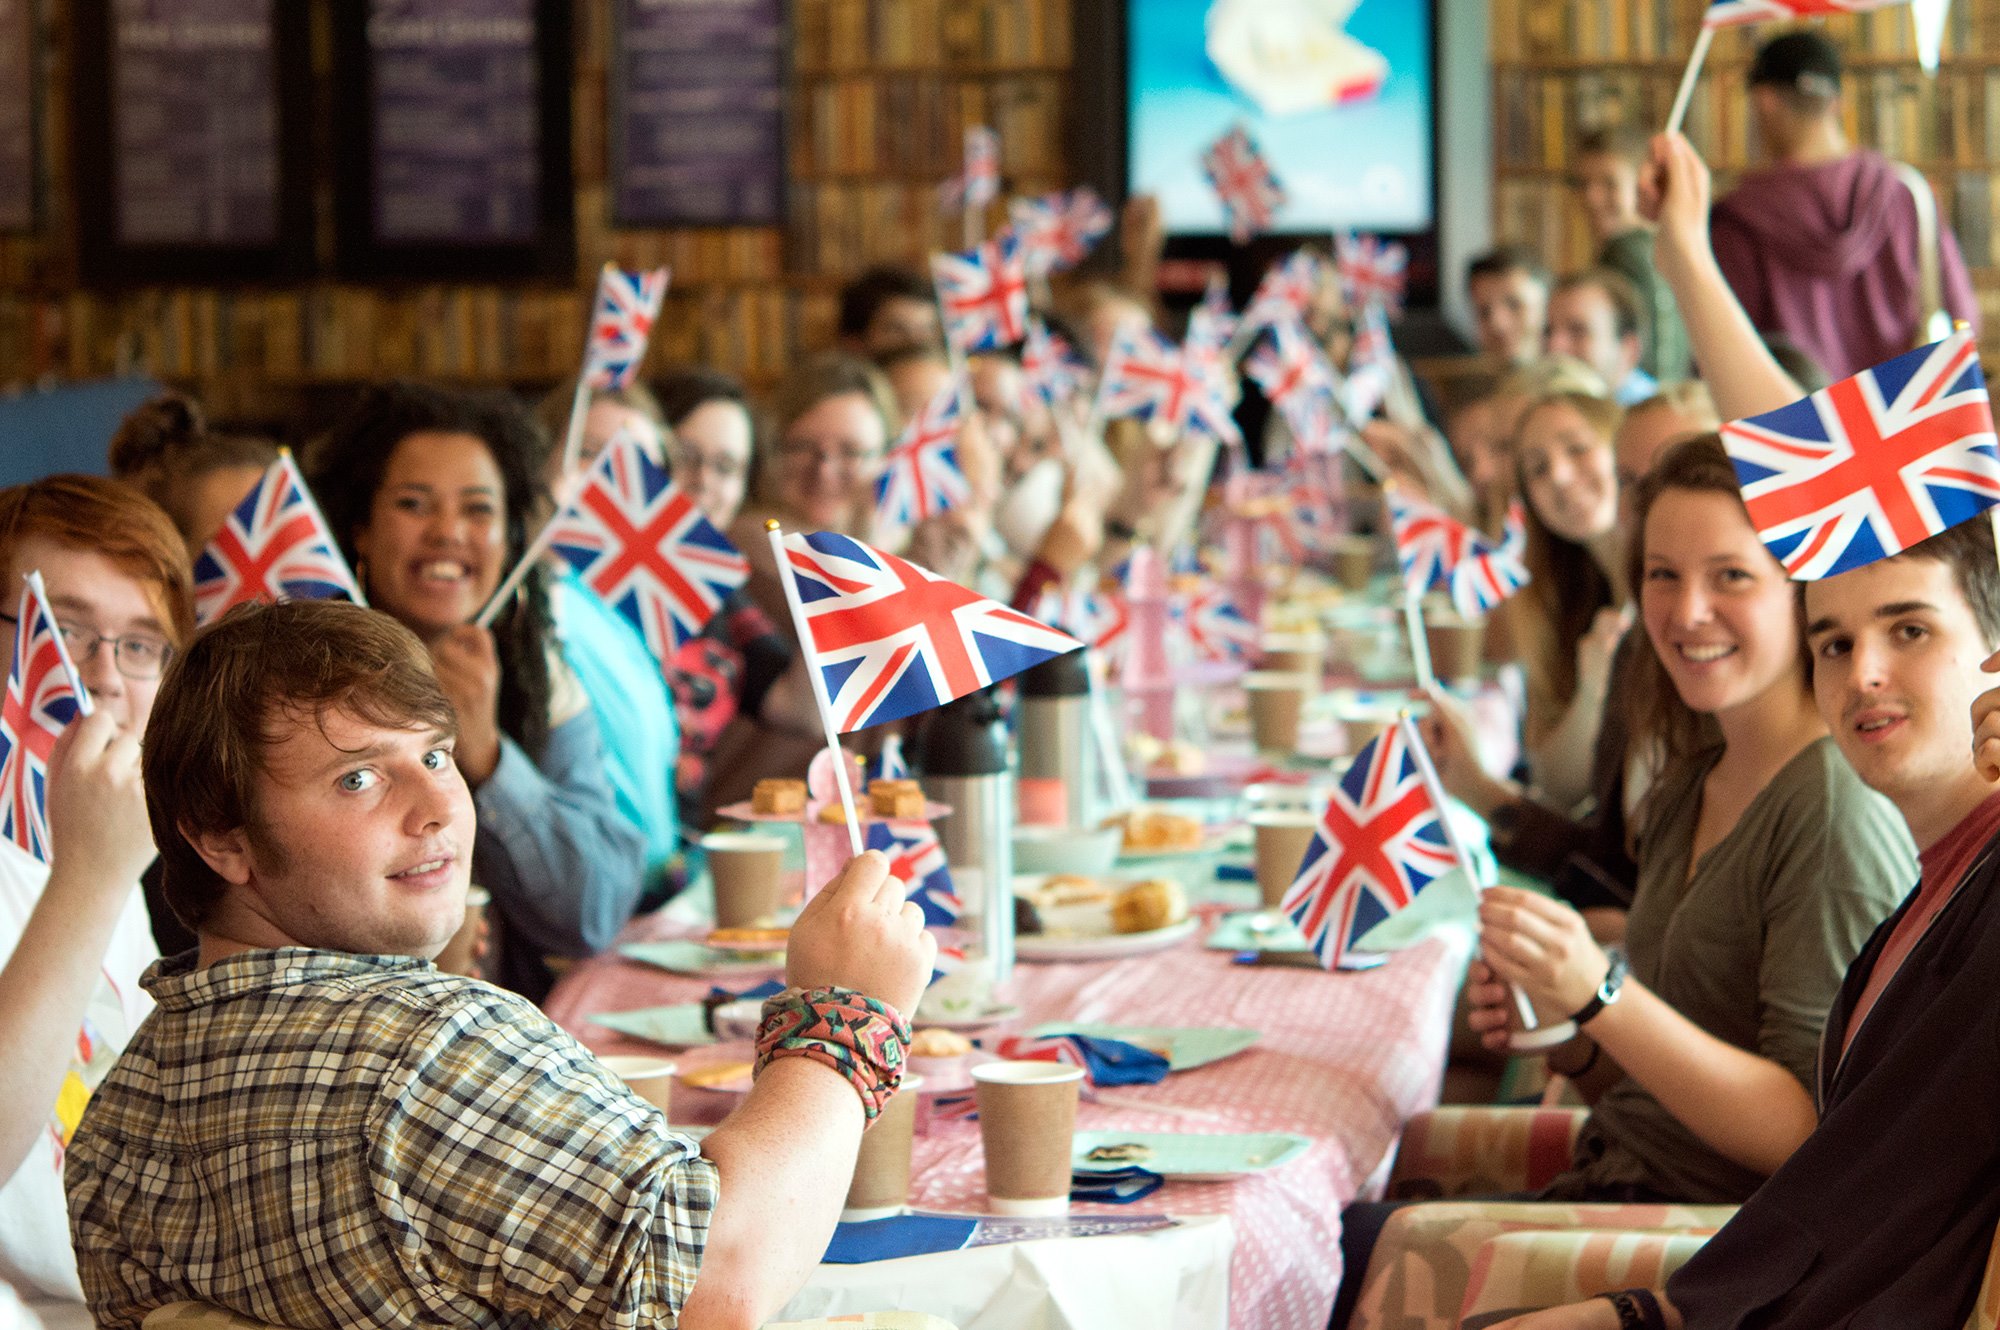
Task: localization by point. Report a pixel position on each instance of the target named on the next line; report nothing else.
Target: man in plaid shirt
(317, 1128)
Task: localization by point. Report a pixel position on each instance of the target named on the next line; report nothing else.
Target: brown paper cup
(456, 958)
(652, 1079)
(1354, 562)
(1295, 653)
(1277, 702)
(881, 1185)
(1456, 644)
(1027, 1124)
(746, 868)
(1281, 839)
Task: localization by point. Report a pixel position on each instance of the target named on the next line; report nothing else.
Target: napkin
(1104, 1061)
(1113, 1186)
(898, 1235)
(717, 995)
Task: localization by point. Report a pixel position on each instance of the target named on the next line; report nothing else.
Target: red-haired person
(74, 933)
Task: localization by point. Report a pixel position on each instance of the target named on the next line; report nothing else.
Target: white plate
(1034, 947)
(1195, 1158)
(979, 1021)
(680, 956)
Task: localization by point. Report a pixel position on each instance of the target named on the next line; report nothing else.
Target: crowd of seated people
(1730, 784)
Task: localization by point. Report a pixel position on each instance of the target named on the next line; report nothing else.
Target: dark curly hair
(345, 469)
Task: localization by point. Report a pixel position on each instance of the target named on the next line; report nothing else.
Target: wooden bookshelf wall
(880, 95)
(1560, 68)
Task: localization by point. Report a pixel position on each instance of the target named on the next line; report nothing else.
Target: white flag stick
(1420, 647)
(516, 575)
(579, 411)
(1435, 788)
(818, 680)
(1117, 781)
(1686, 94)
(84, 706)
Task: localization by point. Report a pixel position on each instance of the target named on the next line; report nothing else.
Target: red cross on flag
(43, 695)
(1251, 195)
(983, 295)
(275, 545)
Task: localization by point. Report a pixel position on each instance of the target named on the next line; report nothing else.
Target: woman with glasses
(74, 931)
(433, 495)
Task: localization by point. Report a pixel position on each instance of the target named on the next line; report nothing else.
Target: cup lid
(1026, 1073)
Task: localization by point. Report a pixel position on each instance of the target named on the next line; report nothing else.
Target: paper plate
(1187, 1047)
(743, 812)
(745, 950)
(703, 1059)
(1034, 947)
(692, 958)
(1193, 1158)
(682, 1025)
(976, 1021)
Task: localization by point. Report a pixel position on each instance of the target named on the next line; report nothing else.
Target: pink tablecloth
(1345, 1059)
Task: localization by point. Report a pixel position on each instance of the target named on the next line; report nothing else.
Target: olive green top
(1663, 338)
(1751, 946)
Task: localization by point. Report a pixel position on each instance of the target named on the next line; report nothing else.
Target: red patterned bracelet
(861, 1038)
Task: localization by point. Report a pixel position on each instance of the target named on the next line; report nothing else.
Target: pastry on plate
(902, 799)
(1145, 906)
(750, 939)
(831, 811)
(1130, 1152)
(935, 1043)
(778, 796)
(1066, 890)
(1150, 831)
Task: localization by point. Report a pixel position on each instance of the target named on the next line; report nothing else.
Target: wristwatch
(1607, 992)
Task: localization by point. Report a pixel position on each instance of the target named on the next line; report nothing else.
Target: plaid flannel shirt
(323, 1140)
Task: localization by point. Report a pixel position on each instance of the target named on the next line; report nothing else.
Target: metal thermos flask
(1054, 728)
(964, 764)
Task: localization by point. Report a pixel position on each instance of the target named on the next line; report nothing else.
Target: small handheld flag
(274, 546)
(917, 859)
(1251, 195)
(1380, 841)
(1437, 552)
(1058, 230)
(979, 183)
(921, 476)
(621, 323)
(1871, 465)
(983, 295)
(43, 696)
(888, 639)
(1295, 376)
(645, 548)
(1208, 621)
(1050, 370)
(1147, 376)
(1372, 271)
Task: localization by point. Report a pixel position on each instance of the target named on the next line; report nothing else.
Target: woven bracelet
(861, 1038)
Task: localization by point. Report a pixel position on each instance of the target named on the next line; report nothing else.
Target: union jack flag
(1213, 321)
(1105, 1061)
(920, 476)
(43, 695)
(1371, 365)
(644, 547)
(1146, 375)
(1435, 551)
(1250, 193)
(888, 764)
(1287, 289)
(979, 183)
(1730, 13)
(1207, 621)
(628, 304)
(1050, 369)
(1372, 271)
(891, 639)
(983, 294)
(1099, 618)
(274, 546)
(1294, 374)
(1058, 230)
(1379, 843)
(917, 859)
(1873, 464)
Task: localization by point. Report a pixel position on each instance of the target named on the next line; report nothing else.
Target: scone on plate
(1067, 890)
(778, 796)
(831, 811)
(936, 1043)
(1145, 906)
(1149, 831)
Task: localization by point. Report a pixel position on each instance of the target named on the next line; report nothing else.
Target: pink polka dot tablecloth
(1344, 1058)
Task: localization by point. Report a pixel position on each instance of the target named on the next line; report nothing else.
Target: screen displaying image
(1338, 94)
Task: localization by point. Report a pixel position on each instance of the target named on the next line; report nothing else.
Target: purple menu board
(17, 116)
(457, 147)
(194, 138)
(698, 99)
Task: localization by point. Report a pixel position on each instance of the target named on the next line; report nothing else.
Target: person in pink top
(1822, 244)
(1886, 1212)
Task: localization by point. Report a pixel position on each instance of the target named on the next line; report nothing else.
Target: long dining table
(1343, 1058)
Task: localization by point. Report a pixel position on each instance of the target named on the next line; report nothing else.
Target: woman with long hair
(433, 494)
(1567, 621)
(167, 451)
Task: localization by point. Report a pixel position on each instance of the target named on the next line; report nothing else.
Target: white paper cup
(652, 1079)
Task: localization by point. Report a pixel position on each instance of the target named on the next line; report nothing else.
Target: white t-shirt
(35, 1253)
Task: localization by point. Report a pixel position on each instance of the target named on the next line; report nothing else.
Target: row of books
(1664, 30)
(914, 125)
(1951, 120)
(904, 34)
(352, 334)
(840, 227)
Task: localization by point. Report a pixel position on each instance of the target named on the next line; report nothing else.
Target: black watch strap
(1607, 992)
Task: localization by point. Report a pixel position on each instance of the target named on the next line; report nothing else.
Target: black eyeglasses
(139, 656)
